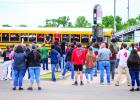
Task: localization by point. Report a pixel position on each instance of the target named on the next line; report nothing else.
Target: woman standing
(112, 61)
(19, 67)
(133, 64)
(34, 60)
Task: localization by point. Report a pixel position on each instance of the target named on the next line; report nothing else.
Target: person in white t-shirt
(123, 55)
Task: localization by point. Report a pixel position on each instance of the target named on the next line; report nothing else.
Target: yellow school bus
(46, 35)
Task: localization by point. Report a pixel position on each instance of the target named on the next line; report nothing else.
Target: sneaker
(88, 81)
(20, 88)
(5, 79)
(91, 82)
(39, 88)
(54, 80)
(137, 89)
(95, 75)
(108, 83)
(61, 77)
(14, 88)
(81, 83)
(29, 88)
(116, 84)
(132, 90)
(129, 85)
(101, 83)
(75, 83)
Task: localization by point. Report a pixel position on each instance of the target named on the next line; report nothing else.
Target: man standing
(104, 63)
(123, 55)
(78, 58)
(44, 56)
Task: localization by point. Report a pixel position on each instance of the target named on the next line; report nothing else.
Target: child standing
(90, 63)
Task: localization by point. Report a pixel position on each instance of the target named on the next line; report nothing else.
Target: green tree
(51, 23)
(138, 18)
(70, 24)
(132, 22)
(6, 25)
(108, 22)
(63, 21)
(23, 25)
(82, 22)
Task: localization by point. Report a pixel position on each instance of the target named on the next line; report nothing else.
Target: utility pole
(128, 10)
(114, 16)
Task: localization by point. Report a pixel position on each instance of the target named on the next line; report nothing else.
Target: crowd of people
(72, 57)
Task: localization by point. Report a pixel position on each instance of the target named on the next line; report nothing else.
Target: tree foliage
(131, 22)
(6, 25)
(62, 21)
(23, 25)
(108, 22)
(82, 22)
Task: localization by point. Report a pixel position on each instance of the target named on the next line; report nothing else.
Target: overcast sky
(34, 12)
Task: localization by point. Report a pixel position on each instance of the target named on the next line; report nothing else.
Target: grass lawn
(48, 75)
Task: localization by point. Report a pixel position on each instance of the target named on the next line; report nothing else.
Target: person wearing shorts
(78, 58)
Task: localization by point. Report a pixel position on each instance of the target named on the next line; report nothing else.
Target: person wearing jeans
(112, 61)
(69, 66)
(44, 56)
(53, 66)
(90, 62)
(19, 67)
(45, 63)
(34, 72)
(18, 76)
(104, 63)
(34, 61)
(133, 64)
(54, 57)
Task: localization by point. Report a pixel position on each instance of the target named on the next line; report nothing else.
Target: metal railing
(128, 30)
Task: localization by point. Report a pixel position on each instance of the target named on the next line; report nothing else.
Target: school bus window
(14, 37)
(57, 37)
(40, 38)
(65, 37)
(5, 37)
(32, 37)
(75, 38)
(0, 37)
(24, 36)
(84, 38)
(49, 38)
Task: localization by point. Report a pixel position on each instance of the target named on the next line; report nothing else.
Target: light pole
(114, 16)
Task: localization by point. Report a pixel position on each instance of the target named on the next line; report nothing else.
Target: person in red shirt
(57, 36)
(78, 58)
